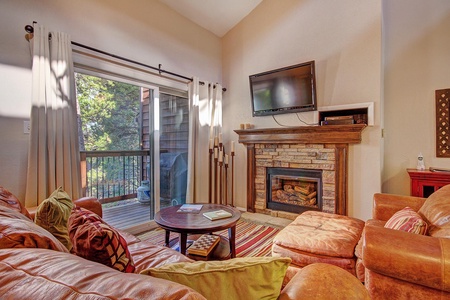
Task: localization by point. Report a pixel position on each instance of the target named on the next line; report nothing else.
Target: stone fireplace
(321, 149)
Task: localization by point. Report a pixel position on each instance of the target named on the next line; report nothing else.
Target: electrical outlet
(26, 127)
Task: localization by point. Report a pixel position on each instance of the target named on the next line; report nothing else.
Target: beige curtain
(53, 157)
(205, 122)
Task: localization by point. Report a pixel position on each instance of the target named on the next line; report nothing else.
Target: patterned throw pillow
(53, 214)
(95, 240)
(407, 220)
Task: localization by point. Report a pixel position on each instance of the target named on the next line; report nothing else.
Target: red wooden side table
(424, 183)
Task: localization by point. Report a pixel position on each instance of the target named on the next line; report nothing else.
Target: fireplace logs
(296, 193)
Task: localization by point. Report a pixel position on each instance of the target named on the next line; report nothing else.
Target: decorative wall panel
(442, 123)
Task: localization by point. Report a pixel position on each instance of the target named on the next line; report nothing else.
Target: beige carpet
(265, 220)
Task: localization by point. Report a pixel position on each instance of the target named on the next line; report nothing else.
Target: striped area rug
(251, 239)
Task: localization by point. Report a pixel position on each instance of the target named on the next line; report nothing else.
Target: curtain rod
(30, 30)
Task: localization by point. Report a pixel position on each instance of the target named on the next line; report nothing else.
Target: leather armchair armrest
(89, 203)
(323, 281)
(410, 257)
(385, 205)
(293, 289)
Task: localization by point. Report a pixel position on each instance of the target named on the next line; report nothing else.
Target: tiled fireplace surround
(308, 147)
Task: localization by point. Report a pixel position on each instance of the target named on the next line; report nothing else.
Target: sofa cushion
(53, 214)
(95, 240)
(129, 238)
(440, 231)
(436, 209)
(17, 231)
(148, 255)
(9, 200)
(45, 274)
(238, 278)
(407, 220)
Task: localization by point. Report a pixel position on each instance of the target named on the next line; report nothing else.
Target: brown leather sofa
(404, 265)
(37, 273)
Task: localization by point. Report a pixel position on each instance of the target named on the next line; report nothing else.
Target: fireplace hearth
(294, 189)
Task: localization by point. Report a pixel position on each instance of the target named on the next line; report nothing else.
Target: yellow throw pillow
(238, 278)
(53, 215)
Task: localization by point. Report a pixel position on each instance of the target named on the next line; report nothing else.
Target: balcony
(113, 178)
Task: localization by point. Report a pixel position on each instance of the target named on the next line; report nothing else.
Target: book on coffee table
(190, 208)
(217, 214)
(204, 245)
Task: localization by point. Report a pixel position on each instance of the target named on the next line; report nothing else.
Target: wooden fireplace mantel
(338, 135)
(331, 134)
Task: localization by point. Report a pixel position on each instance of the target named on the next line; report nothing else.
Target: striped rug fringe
(251, 239)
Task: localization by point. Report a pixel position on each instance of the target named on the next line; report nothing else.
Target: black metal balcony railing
(113, 175)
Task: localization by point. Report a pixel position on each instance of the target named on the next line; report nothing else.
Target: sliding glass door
(133, 146)
(173, 145)
(167, 115)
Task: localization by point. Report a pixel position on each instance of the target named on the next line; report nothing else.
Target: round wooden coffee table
(186, 223)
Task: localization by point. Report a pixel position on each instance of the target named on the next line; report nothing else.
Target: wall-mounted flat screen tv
(286, 90)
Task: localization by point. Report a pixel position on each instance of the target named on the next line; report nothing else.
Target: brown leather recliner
(404, 265)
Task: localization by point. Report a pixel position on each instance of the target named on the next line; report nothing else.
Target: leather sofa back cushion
(95, 240)
(436, 211)
(45, 274)
(239, 278)
(17, 231)
(9, 200)
(53, 214)
(407, 220)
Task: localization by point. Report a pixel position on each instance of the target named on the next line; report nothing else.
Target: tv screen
(286, 90)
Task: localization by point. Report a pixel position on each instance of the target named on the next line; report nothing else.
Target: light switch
(26, 127)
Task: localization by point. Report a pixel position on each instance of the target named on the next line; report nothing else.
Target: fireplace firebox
(294, 189)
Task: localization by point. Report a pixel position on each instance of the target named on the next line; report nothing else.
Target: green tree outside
(110, 112)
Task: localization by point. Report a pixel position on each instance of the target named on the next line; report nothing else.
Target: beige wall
(344, 38)
(417, 62)
(146, 31)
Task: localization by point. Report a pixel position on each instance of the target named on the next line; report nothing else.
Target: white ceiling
(217, 16)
